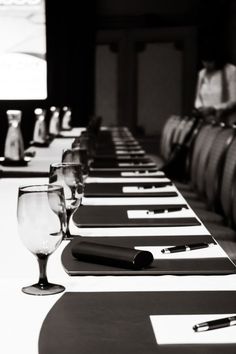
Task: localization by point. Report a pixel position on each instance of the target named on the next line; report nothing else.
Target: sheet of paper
(141, 189)
(145, 214)
(178, 329)
(146, 173)
(125, 180)
(128, 164)
(134, 201)
(213, 251)
(125, 151)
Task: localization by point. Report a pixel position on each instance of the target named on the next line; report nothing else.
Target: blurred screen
(23, 66)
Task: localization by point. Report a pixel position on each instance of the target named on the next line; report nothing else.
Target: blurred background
(133, 62)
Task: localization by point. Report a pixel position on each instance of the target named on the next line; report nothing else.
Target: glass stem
(42, 261)
(68, 213)
(73, 189)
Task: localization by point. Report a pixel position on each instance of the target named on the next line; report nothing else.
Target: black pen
(220, 323)
(157, 185)
(166, 210)
(189, 247)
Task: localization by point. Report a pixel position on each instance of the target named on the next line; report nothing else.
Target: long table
(22, 315)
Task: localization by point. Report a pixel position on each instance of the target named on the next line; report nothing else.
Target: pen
(183, 248)
(156, 185)
(166, 210)
(220, 323)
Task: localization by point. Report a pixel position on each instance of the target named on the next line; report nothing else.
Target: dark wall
(209, 17)
(70, 54)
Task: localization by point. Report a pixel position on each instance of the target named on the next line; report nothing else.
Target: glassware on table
(54, 123)
(70, 176)
(77, 155)
(40, 128)
(66, 118)
(42, 222)
(14, 144)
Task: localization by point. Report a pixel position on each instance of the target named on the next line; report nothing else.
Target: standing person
(216, 88)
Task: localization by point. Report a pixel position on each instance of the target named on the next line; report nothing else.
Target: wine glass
(70, 176)
(41, 216)
(77, 155)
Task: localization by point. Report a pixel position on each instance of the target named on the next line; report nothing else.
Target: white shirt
(209, 88)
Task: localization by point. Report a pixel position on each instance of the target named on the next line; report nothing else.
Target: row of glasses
(44, 213)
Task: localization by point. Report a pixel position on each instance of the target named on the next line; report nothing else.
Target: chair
(167, 136)
(228, 176)
(215, 165)
(200, 171)
(197, 148)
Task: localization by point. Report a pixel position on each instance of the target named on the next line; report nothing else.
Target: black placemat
(119, 323)
(124, 169)
(195, 266)
(116, 216)
(116, 189)
(132, 163)
(113, 173)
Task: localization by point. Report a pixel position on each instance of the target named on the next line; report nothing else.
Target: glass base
(48, 289)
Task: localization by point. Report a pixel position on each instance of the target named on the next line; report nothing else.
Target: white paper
(125, 180)
(125, 151)
(134, 201)
(213, 251)
(128, 164)
(178, 329)
(145, 214)
(137, 189)
(145, 173)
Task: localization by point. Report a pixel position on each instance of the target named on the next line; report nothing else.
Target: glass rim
(40, 188)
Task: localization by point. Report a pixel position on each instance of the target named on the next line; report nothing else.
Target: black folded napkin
(116, 256)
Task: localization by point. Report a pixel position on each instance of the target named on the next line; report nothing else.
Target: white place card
(124, 151)
(178, 329)
(125, 180)
(143, 173)
(135, 200)
(128, 164)
(153, 189)
(146, 214)
(213, 251)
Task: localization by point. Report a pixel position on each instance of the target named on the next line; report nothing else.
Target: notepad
(124, 180)
(213, 251)
(178, 329)
(146, 214)
(140, 164)
(144, 173)
(152, 189)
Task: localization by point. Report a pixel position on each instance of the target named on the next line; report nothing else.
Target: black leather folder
(109, 169)
(102, 159)
(114, 173)
(188, 266)
(119, 322)
(131, 163)
(116, 189)
(104, 153)
(116, 216)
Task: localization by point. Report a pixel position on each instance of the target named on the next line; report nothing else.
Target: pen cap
(116, 256)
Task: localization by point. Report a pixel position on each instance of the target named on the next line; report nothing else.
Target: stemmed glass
(77, 155)
(41, 216)
(70, 177)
